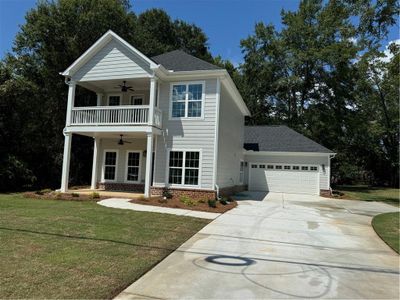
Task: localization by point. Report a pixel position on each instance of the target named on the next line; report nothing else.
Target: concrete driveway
(280, 246)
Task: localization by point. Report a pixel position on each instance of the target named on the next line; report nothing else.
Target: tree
(307, 76)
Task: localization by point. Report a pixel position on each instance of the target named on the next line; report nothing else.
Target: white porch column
(70, 102)
(152, 100)
(66, 162)
(99, 98)
(149, 162)
(96, 149)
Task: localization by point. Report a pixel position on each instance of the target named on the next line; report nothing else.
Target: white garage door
(284, 178)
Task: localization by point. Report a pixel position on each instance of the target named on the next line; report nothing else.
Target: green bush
(212, 203)
(95, 195)
(202, 201)
(167, 193)
(223, 201)
(188, 201)
(75, 195)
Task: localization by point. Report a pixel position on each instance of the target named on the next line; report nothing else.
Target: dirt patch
(177, 203)
(63, 196)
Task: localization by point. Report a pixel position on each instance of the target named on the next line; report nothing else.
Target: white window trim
(173, 185)
(140, 166)
(114, 95)
(203, 98)
(103, 165)
(136, 96)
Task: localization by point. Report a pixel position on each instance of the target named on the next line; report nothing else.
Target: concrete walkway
(125, 204)
(280, 246)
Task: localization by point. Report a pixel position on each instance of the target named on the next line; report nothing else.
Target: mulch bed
(176, 203)
(62, 196)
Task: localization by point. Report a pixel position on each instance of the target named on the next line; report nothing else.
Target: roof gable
(102, 42)
(179, 60)
(280, 139)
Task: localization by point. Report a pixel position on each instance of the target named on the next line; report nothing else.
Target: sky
(225, 22)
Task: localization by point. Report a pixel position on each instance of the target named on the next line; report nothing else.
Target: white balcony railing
(114, 115)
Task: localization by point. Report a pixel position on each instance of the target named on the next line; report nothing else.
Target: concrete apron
(280, 246)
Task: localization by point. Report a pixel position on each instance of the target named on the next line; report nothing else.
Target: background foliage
(322, 75)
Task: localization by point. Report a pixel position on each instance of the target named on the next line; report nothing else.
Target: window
(278, 167)
(110, 165)
(286, 167)
(262, 166)
(304, 168)
(314, 168)
(270, 167)
(187, 100)
(295, 168)
(184, 167)
(114, 100)
(137, 100)
(241, 172)
(254, 166)
(133, 166)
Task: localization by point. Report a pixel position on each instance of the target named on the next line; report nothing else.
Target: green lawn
(65, 249)
(365, 193)
(387, 227)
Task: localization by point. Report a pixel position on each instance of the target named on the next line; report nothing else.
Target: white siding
(230, 144)
(113, 61)
(112, 144)
(295, 159)
(187, 135)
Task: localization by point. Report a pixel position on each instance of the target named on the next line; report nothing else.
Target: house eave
(287, 153)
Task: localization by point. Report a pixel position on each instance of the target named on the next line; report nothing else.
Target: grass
(365, 193)
(387, 227)
(68, 249)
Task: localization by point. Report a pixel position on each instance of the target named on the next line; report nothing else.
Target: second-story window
(187, 100)
(114, 100)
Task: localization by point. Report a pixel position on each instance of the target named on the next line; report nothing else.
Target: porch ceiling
(115, 135)
(103, 86)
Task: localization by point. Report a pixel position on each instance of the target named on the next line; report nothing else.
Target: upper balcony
(129, 105)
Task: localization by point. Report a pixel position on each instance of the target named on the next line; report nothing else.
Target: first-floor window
(110, 165)
(241, 173)
(133, 166)
(184, 167)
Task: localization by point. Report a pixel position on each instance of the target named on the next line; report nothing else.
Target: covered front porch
(120, 161)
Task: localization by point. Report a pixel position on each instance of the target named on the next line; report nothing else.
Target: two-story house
(175, 121)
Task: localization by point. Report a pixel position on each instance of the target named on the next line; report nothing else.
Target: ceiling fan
(125, 88)
(121, 141)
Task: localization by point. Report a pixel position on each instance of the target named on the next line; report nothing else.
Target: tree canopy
(321, 74)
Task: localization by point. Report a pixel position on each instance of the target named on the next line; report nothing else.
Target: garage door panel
(283, 181)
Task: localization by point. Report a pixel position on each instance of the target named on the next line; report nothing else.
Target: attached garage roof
(279, 139)
(179, 60)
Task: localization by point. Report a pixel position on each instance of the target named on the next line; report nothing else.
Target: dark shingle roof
(280, 139)
(178, 60)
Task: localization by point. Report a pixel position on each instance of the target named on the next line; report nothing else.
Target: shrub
(230, 199)
(58, 195)
(142, 198)
(39, 192)
(212, 203)
(223, 201)
(167, 193)
(202, 201)
(95, 195)
(75, 195)
(188, 201)
(46, 191)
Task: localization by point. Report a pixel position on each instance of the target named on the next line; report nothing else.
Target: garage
(279, 159)
(284, 178)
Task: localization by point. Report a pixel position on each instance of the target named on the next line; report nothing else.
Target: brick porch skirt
(126, 187)
(198, 194)
(325, 193)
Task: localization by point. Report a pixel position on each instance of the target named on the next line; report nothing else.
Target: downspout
(217, 189)
(330, 188)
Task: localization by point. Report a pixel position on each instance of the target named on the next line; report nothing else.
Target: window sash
(190, 105)
(133, 166)
(184, 168)
(110, 165)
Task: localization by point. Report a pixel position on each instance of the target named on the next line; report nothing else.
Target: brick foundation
(325, 193)
(192, 193)
(232, 190)
(126, 187)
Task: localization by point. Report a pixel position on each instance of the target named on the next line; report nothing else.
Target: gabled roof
(279, 139)
(100, 43)
(179, 60)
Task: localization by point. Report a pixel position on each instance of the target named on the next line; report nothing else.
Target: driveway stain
(312, 225)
